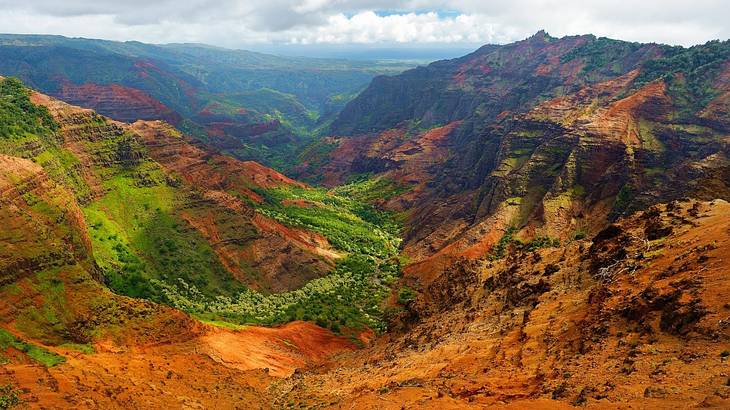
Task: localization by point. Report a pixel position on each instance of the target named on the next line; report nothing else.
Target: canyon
(541, 224)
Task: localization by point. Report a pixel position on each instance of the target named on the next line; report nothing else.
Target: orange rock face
(219, 368)
(621, 322)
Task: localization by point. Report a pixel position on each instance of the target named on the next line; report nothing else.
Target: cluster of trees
(349, 297)
(18, 115)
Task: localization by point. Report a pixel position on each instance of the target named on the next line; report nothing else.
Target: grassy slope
(145, 249)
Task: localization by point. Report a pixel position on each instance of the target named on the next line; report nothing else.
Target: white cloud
(235, 23)
(368, 27)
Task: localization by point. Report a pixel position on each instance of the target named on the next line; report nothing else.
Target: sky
(367, 23)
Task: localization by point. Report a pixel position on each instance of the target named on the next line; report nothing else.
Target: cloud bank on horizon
(236, 23)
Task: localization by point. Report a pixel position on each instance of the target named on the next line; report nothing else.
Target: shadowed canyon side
(542, 224)
(552, 137)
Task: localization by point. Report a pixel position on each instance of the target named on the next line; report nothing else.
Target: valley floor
(651, 337)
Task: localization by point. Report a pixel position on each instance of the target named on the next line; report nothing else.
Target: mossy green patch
(37, 353)
(49, 320)
(138, 235)
(648, 139)
(79, 347)
(368, 188)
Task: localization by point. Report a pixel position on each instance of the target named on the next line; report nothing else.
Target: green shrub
(9, 397)
(406, 295)
(579, 235)
(508, 240)
(499, 249)
(18, 115)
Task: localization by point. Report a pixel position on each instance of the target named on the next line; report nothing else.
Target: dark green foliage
(508, 241)
(9, 397)
(538, 243)
(129, 279)
(18, 116)
(600, 55)
(678, 59)
(689, 74)
(499, 249)
(623, 199)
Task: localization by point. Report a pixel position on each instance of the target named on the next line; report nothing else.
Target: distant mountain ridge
(218, 95)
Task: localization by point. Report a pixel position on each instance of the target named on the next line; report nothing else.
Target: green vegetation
(79, 347)
(28, 131)
(600, 55)
(538, 243)
(406, 295)
(37, 353)
(499, 249)
(350, 225)
(9, 397)
(18, 116)
(689, 74)
(623, 198)
(508, 241)
(579, 235)
(49, 319)
(350, 296)
(138, 236)
(366, 188)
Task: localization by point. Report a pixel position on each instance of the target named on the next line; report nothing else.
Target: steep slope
(138, 208)
(84, 205)
(223, 239)
(638, 317)
(490, 81)
(554, 137)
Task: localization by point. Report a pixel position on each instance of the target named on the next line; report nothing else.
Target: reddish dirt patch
(302, 203)
(221, 369)
(311, 241)
(281, 350)
(118, 102)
